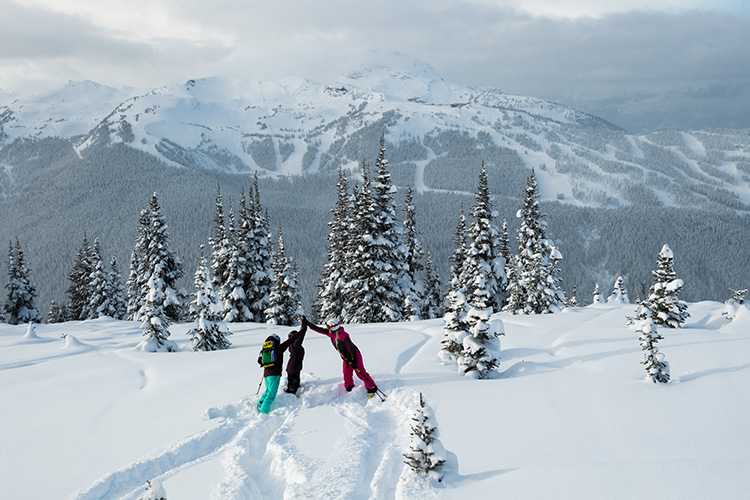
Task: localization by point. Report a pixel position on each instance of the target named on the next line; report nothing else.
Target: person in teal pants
(272, 367)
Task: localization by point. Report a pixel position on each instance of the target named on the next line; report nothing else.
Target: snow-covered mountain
(435, 129)
(86, 158)
(567, 415)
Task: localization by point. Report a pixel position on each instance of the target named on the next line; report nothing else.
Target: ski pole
(380, 393)
(259, 384)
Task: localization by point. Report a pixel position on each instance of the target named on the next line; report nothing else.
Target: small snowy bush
(426, 454)
(154, 491)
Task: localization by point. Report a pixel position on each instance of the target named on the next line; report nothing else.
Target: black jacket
(283, 346)
(296, 352)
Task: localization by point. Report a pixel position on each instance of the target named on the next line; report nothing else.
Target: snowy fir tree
(210, 332)
(426, 455)
(284, 297)
(20, 304)
(483, 259)
(735, 304)
(118, 305)
(153, 315)
(138, 277)
(330, 300)
(376, 291)
(357, 258)
(597, 298)
(573, 300)
(413, 285)
(256, 237)
(456, 306)
(133, 288)
(432, 303)
(619, 293)
(480, 353)
(222, 249)
(159, 261)
(229, 262)
(78, 291)
(99, 286)
(154, 491)
(534, 284)
(666, 307)
(657, 368)
(55, 314)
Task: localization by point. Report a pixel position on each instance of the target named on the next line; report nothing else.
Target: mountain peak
(398, 75)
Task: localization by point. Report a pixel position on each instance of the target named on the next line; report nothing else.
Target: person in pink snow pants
(349, 353)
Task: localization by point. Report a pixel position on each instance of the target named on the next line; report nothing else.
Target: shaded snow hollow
(566, 416)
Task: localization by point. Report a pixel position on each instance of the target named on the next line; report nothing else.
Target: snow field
(567, 415)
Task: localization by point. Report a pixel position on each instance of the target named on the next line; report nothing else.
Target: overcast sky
(559, 50)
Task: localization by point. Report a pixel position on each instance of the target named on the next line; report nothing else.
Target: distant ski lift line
(277, 166)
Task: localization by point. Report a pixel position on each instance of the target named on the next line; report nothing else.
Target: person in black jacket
(294, 365)
(274, 349)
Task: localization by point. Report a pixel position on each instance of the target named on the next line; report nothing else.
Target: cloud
(592, 49)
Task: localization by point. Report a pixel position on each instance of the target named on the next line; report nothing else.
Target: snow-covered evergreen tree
(330, 300)
(118, 305)
(154, 319)
(666, 307)
(79, 293)
(284, 297)
(573, 300)
(456, 306)
(154, 491)
(159, 270)
(426, 455)
(20, 304)
(735, 305)
(376, 292)
(657, 368)
(210, 332)
(99, 287)
(480, 353)
(597, 298)
(534, 284)
(414, 287)
(229, 262)
(483, 253)
(259, 259)
(355, 290)
(56, 314)
(160, 259)
(432, 304)
(138, 276)
(619, 293)
(133, 287)
(221, 248)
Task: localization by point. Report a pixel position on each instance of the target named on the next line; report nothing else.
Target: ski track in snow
(258, 454)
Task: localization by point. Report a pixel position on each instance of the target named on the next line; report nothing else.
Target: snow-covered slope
(567, 415)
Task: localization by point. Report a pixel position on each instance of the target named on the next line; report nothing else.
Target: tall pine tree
(284, 305)
(210, 332)
(456, 306)
(432, 304)
(534, 287)
(413, 284)
(330, 300)
(20, 304)
(79, 292)
(160, 269)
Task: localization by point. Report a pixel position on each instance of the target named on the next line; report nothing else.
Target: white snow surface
(567, 415)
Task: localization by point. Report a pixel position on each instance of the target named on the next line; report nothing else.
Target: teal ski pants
(272, 387)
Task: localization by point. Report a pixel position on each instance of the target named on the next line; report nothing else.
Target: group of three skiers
(271, 358)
